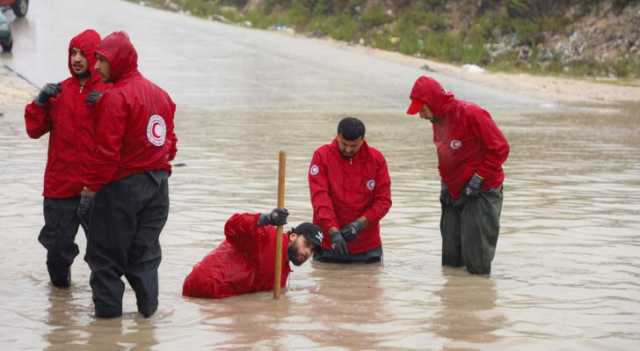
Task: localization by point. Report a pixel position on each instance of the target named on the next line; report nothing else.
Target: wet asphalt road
(213, 65)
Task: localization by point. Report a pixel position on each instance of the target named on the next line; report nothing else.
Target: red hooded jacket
(243, 263)
(343, 190)
(70, 123)
(466, 138)
(134, 122)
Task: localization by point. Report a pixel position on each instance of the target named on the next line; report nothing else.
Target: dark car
(20, 7)
(6, 40)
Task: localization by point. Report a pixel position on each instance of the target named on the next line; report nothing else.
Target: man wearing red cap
(135, 141)
(471, 150)
(245, 261)
(350, 192)
(61, 110)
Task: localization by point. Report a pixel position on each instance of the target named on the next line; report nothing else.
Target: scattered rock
(173, 6)
(427, 68)
(524, 52)
(497, 49)
(283, 28)
(219, 18)
(473, 69)
(545, 54)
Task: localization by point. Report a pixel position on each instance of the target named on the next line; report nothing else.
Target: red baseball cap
(415, 107)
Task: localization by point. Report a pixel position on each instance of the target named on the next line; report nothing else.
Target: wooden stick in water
(282, 163)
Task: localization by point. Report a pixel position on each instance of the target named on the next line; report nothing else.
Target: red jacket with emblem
(243, 263)
(467, 139)
(70, 124)
(343, 190)
(134, 123)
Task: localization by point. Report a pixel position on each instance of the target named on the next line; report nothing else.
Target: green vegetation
(501, 35)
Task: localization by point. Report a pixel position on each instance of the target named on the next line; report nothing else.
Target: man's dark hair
(351, 128)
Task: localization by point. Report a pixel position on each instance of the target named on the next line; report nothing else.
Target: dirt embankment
(562, 90)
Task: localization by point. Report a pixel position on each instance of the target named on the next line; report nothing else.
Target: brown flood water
(565, 275)
(567, 269)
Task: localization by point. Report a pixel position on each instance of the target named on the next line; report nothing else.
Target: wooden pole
(282, 164)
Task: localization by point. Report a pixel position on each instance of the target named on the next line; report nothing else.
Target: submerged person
(350, 193)
(245, 261)
(62, 111)
(471, 150)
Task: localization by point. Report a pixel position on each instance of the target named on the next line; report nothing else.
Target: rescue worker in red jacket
(60, 110)
(245, 261)
(471, 150)
(135, 141)
(350, 193)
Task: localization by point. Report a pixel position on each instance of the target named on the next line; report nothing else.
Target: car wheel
(20, 7)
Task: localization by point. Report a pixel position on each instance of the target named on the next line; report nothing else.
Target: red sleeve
(111, 114)
(37, 120)
(321, 202)
(241, 229)
(382, 194)
(496, 145)
(173, 147)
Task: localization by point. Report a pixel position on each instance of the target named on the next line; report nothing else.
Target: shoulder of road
(13, 89)
(562, 90)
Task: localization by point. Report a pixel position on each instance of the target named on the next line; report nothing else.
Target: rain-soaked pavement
(567, 270)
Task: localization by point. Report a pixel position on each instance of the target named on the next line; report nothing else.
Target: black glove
(93, 97)
(338, 243)
(472, 188)
(86, 201)
(277, 217)
(350, 231)
(48, 91)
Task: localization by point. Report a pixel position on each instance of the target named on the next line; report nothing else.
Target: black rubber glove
(48, 91)
(278, 216)
(472, 188)
(93, 97)
(350, 231)
(338, 243)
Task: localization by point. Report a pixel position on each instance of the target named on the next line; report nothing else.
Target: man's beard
(345, 156)
(82, 75)
(293, 255)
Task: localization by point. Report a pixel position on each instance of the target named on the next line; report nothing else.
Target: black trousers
(332, 256)
(470, 231)
(127, 218)
(58, 236)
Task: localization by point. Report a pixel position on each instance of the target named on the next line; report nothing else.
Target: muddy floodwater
(567, 269)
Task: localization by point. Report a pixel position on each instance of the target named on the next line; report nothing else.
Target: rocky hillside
(579, 38)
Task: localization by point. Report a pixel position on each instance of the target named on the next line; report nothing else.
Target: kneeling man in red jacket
(245, 261)
(350, 192)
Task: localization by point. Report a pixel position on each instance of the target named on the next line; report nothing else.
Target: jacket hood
(431, 93)
(120, 53)
(87, 42)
